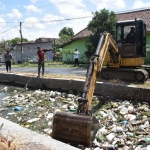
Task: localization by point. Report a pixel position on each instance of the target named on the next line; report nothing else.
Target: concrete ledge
(25, 136)
(119, 91)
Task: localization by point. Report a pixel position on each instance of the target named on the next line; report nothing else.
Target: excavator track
(129, 75)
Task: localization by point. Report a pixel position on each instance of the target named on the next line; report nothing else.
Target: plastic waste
(124, 110)
(130, 117)
(100, 138)
(104, 115)
(33, 120)
(129, 134)
(110, 114)
(148, 139)
(144, 117)
(117, 129)
(145, 125)
(110, 137)
(103, 130)
(130, 108)
(17, 108)
(108, 146)
(124, 122)
(73, 109)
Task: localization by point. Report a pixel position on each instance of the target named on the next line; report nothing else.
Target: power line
(50, 21)
(9, 22)
(38, 7)
(8, 29)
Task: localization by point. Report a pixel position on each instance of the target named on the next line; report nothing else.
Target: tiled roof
(139, 14)
(82, 34)
(143, 14)
(56, 40)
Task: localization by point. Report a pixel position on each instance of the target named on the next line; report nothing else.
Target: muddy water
(2, 93)
(5, 90)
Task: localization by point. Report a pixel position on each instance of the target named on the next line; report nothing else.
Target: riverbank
(103, 89)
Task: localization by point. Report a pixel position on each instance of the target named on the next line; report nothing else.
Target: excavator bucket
(74, 129)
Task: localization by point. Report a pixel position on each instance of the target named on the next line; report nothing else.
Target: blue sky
(45, 18)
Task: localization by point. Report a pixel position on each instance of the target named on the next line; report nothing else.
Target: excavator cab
(127, 48)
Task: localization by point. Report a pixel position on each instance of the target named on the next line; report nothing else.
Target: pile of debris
(124, 125)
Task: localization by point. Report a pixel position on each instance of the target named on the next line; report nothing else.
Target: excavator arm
(81, 127)
(106, 43)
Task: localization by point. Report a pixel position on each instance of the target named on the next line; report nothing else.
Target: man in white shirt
(76, 56)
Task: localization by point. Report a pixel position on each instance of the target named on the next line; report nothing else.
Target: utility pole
(21, 39)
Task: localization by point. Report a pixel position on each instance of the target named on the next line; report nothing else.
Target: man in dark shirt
(130, 38)
(8, 57)
(40, 54)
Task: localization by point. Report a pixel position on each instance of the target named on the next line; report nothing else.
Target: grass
(50, 64)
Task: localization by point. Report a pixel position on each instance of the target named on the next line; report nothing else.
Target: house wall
(148, 39)
(2, 57)
(80, 45)
(147, 58)
(29, 50)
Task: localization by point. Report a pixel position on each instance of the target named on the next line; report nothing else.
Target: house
(78, 40)
(29, 49)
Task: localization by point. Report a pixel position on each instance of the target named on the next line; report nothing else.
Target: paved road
(62, 71)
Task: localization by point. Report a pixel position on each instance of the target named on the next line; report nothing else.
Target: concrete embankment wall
(119, 91)
(30, 140)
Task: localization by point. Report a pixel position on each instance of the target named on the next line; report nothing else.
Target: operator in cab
(130, 38)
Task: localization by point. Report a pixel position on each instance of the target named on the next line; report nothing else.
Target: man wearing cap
(40, 54)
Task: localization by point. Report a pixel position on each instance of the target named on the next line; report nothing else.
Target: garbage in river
(122, 124)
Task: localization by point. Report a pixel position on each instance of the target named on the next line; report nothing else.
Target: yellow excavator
(120, 58)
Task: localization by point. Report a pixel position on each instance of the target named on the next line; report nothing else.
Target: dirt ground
(140, 85)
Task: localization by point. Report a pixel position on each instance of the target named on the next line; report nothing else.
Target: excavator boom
(81, 127)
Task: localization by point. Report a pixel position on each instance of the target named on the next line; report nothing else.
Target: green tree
(101, 21)
(67, 52)
(4, 45)
(65, 34)
(16, 40)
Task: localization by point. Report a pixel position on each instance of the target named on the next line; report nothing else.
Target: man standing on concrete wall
(8, 57)
(40, 54)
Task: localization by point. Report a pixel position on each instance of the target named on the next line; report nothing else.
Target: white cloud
(33, 22)
(14, 14)
(2, 6)
(51, 19)
(2, 24)
(72, 8)
(140, 4)
(109, 4)
(30, 34)
(34, 1)
(32, 8)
